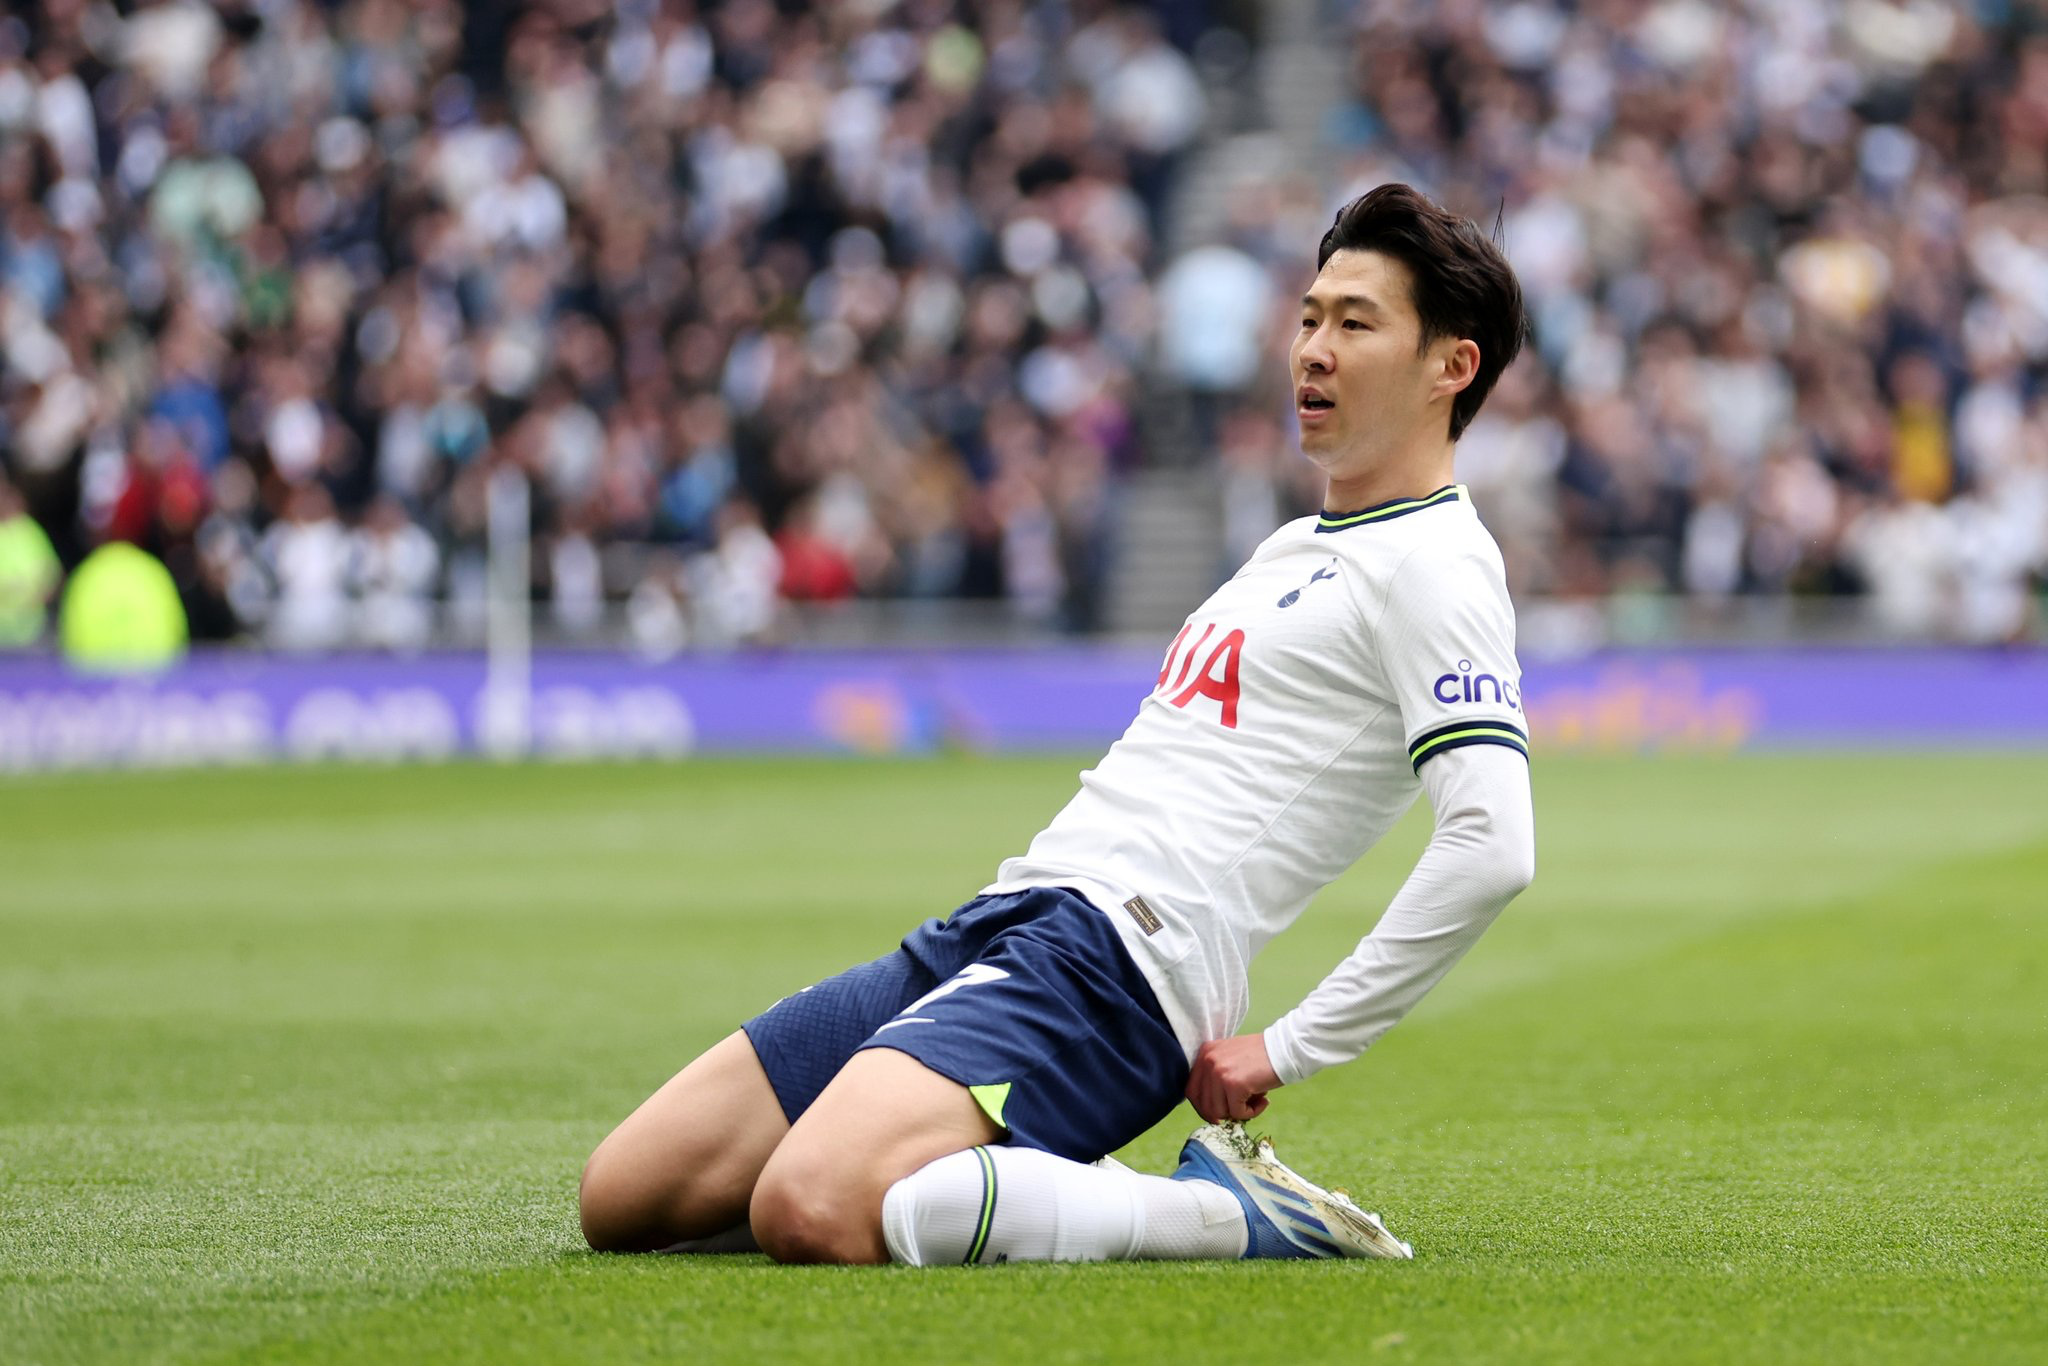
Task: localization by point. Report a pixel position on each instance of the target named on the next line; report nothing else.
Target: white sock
(1021, 1205)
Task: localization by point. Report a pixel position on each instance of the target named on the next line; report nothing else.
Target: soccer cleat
(1285, 1214)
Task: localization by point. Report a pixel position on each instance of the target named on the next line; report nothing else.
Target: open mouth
(1316, 405)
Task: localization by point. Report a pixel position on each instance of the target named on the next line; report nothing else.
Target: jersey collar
(1386, 512)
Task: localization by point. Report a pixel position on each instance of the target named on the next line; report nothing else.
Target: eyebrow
(1358, 303)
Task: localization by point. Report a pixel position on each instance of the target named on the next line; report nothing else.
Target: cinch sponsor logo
(1467, 686)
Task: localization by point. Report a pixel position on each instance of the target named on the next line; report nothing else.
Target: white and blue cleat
(1285, 1214)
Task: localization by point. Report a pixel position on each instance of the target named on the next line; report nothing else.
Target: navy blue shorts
(1029, 999)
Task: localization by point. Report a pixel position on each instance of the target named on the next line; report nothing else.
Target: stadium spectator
(308, 553)
(392, 566)
(1215, 307)
(29, 572)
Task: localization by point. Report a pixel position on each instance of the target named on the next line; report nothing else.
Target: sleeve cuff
(1280, 1052)
(1459, 734)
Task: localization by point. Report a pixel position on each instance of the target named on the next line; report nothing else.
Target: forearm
(1481, 855)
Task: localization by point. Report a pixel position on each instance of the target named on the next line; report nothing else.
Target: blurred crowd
(768, 301)
(1787, 262)
(772, 301)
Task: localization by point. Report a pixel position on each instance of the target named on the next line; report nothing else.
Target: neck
(1418, 472)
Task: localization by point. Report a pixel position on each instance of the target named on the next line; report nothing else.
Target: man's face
(1362, 382)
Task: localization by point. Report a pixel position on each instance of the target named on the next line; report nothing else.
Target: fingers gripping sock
(1023, 1205)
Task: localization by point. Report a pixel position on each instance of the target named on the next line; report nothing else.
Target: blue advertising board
(241, 707)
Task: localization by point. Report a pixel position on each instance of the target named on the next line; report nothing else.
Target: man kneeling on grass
(954, 1101)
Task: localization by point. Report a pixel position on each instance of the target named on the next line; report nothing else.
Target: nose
(1315, 352)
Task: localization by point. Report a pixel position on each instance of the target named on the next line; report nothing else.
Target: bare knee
(885, 1115)
(620, 1210)
(682, 1166)
(800, 1217)
(629, 1200)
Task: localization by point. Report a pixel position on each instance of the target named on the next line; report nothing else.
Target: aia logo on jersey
(1467, 686)
(1215, 679)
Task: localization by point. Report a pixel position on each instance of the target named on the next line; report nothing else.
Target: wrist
(1281, 1055)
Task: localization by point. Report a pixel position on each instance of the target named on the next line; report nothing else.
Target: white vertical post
(506, 722)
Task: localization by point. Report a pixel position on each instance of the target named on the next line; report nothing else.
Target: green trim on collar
(1400, 507)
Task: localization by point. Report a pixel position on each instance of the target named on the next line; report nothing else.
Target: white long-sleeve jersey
(1352, 661)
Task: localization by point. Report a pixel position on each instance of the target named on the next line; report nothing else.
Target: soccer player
(955, 1100)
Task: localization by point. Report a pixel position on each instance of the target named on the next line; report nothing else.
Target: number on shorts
(974, 974)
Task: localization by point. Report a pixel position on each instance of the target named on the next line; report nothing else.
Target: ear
(1460, 368)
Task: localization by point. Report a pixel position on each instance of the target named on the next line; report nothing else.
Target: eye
(1352, 324)
(1308, 322)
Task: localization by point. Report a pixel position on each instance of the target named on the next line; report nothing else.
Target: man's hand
(1231, 1078)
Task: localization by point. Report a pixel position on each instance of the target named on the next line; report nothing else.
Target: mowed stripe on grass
(301, 1065)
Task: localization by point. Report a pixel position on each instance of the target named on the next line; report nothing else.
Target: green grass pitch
(301, 1065)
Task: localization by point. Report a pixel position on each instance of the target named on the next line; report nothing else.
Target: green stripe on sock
(988, 1206)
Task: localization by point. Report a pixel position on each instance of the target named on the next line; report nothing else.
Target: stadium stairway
(1170, 532)
(1167, 551)
(1274, 123)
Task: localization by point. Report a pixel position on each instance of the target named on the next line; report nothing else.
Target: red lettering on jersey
(1171, 651)
(1188, 660)
(1224, 689)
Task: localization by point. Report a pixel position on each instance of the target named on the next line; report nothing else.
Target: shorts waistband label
(1147, 918)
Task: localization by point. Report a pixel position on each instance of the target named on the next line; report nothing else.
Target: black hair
(1464, 286)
